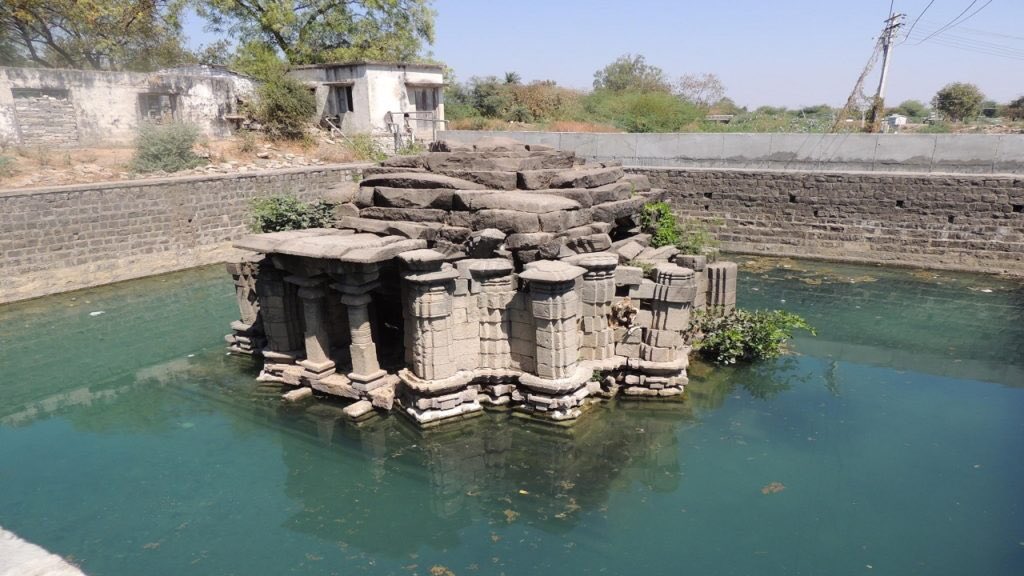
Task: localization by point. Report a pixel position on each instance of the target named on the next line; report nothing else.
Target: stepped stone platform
(462, 279)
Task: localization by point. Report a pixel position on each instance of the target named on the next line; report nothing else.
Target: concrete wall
(946, 153)
(106, 104)
(69, 237)
(962, 222)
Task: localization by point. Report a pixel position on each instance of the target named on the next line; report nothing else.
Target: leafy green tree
(912, 109)
(92, 34)
(491, 97)
(959, 101)
(259, 60)
(639, 111)
(1015, 110)
(513, 78)
(316, 31)
(631, 72)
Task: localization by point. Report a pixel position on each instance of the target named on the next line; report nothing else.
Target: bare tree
(701, 89)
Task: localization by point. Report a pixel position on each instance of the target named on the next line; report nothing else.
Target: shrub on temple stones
(744, 336)
(279, 213)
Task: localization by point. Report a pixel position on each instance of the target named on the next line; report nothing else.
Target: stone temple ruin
(466, 278)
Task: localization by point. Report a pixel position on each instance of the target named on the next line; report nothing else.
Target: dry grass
(570, 126)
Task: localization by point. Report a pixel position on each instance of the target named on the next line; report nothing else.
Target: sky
(766, 52)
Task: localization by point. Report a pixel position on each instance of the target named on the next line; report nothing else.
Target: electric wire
(916, 19)
(957, 21)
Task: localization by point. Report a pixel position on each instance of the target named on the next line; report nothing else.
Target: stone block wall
(69, 237)
(46, 121)
(955, 222)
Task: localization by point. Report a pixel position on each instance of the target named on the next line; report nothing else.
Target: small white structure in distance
(379, 98)
(893, 122)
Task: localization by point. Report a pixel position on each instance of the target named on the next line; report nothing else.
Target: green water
(131, 444)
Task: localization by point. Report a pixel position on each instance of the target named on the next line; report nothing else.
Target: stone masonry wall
(69, 237)
(46, 121)
(956, 222)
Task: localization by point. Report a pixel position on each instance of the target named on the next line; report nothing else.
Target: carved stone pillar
(664, 354)
(433, 386)
(494, 279)
(282, 325)
(559, 387)
(317, 364)
(247, 335)
(598, 341)
(365, 367)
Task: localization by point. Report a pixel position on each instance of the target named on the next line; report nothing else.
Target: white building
(378, 97)
(56, 107)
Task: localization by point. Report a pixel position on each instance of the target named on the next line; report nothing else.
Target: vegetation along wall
(961, 222)
(68, 237)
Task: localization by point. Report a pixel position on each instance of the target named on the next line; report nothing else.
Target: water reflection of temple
(493, 467)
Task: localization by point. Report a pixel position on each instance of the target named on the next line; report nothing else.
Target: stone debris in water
(455, 280)
(97, 313)
(773, 488)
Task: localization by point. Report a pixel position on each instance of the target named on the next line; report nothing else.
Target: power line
(975, 43)
(956, 21)
(916, 19)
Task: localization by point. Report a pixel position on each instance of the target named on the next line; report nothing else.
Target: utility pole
(892, 25)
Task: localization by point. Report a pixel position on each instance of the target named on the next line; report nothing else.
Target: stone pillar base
(428, 401)
(556, 399)
(247, 339)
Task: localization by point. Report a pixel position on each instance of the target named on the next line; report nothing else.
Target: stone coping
(967, 176)
(164, 180)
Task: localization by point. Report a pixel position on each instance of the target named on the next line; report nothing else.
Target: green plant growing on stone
(411, 149)
(364, 147)
(696, 238)
(742, 336)
(166, 147)
(657, 219)
(279, 213)
(646, 267)
(691, 236)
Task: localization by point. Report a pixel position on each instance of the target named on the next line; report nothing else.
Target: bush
(364, 147)
(6, 167)
(691, 237)
(284, 108)
(744, 336)
(278, 213)
(166, 147)
(658, 220)
(643, 111)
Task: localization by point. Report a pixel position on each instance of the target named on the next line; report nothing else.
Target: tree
(317, 31)
(513, 78)
(93, 34)
(630, 72)
(1015, 110)
(912, 109)
(701, 89)
(958, 101)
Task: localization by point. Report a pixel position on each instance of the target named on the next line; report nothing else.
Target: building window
(424, 99)
(339, 101)
(158, 107)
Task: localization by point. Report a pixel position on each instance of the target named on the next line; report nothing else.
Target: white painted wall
(106, 103)
(376, 90)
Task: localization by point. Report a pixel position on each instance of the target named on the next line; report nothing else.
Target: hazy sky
(777, 52)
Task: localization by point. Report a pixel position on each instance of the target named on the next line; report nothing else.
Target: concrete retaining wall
(946, 153)
(961, 222)
(69, 237)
